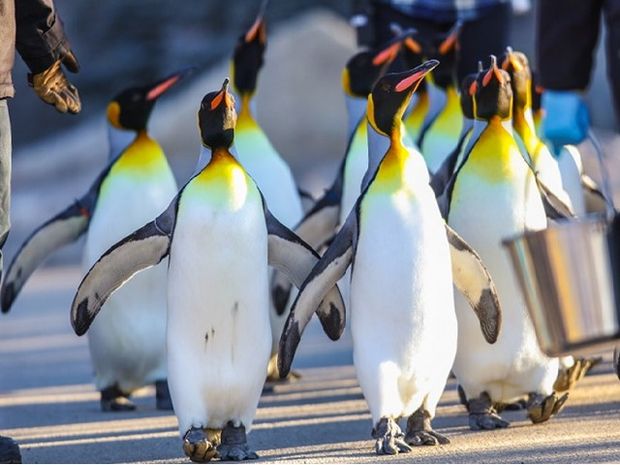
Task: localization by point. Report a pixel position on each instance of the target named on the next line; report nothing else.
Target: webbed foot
(197, 446)
(162, 395)
(390, 438)
(420, 432)
(234, 444)
(568, 378)
(482, 414)
(541, 408)
(115, 400)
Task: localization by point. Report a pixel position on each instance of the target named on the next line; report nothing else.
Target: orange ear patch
(386, 55)
(251, 34)
(409, 81)
(413, 45)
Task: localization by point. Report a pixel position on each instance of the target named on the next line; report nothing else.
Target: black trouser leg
(612, 45)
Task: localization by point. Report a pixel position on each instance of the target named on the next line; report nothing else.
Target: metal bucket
(570, 276)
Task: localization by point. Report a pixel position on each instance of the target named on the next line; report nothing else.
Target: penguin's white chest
(495, 197)
(127, 340)
(355, 167)
(219, 336)
(402, 306)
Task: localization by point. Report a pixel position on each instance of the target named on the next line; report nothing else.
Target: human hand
(566, 118)
(53, 87)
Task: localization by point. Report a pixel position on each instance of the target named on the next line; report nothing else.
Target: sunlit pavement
(49, 405)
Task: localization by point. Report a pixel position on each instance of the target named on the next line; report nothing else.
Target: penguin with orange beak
(127, 345)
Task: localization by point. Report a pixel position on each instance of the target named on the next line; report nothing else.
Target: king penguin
(547, 167)
(256, 153)
(127, 345)
(220, 238)
(494, 196)
(404, 260)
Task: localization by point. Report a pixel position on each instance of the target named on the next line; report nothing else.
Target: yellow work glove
(53, 87)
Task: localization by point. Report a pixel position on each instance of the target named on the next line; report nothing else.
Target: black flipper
(64, 228)
(295, 259)
(142, 249)
(594, 197)
(324, 276)
(473, 280)
(555, 208)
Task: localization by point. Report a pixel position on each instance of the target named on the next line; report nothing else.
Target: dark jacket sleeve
(566, 35)
(40, 37)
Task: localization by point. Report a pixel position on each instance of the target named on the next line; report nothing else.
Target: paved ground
(49, 405)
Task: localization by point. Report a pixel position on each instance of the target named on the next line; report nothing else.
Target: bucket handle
(610, 209)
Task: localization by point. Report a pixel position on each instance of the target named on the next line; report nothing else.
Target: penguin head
(131, 109)
(517, 66)
(444, 48)
(217, 118)
(364, 68)
(467, 100)
(391, 95)
(248, 55)
(492, 92)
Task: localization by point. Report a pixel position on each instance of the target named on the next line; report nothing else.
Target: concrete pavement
(47, 403)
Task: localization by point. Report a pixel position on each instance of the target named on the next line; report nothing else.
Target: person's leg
(5, 174)
(612, 46)
(488, 34)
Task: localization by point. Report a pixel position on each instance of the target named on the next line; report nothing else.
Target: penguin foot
(390, 438)
(234, 444)
(568, 378)
(514, 406)
(616, 361)
(9, 451)
(115, 400)
(420, 432)
(162, 395)
(462, 395)
(482, 414)
(197, 446)
(541, 408)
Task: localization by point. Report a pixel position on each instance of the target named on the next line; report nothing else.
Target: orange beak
(492, 72)
(417, 76)
(223, 96)
(386, 55)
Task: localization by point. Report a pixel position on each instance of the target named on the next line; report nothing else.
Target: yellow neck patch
(245, 120)
(527, 131)
(143, 157)
(392, 174)
(113, 113)
(223, 180)
(495, 157)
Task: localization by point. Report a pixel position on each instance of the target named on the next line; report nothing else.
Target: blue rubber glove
(566, 119)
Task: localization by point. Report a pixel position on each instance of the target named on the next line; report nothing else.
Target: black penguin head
(467, 100)
(444, 48)
(364, 68)
(217, 118)
(391, 95)
(132, 108)
(248, 55)
(517, 65)
(492, 92)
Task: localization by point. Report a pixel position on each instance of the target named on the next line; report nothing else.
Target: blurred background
(125, 42)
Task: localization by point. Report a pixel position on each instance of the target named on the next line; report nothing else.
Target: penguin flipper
(473, 280)
(594, 197)
(317, 228)
(142, 249)
(289, 254)
(62, 229)
(555, 208)
(325, 274)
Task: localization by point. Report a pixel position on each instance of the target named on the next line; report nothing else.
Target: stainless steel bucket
(570, 276)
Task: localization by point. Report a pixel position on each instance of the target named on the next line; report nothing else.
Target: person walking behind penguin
(35, 29)
(566, 38)
(486, 24)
